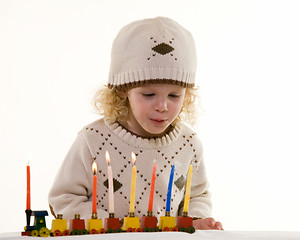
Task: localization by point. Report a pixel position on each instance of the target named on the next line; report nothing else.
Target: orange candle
(28, 189)
(150, 205)
(94, 167)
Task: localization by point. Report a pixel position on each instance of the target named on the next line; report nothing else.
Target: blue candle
(169, 194)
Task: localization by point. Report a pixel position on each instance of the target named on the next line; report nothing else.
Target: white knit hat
(156, 50)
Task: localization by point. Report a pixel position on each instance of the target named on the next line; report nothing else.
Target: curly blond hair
(110, 103)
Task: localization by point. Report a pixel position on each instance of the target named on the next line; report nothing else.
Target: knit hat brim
(152, 76)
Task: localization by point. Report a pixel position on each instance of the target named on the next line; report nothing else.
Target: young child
(150, 92)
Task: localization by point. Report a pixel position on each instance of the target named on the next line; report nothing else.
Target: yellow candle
(133, 180)
(188, 189)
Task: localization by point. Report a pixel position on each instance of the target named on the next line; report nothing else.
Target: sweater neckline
(142, 142)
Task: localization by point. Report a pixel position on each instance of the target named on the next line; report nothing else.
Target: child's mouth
(158, 121)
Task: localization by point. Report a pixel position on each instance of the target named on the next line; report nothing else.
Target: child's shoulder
(190, 134)
(97, 124)
(186, 129)
(94, 132)
(95, 128)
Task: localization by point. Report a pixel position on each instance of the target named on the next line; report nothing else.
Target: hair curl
(109, 103)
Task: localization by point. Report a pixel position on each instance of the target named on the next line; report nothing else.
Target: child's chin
(154, 133)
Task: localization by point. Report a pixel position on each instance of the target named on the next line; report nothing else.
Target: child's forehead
(160, 86)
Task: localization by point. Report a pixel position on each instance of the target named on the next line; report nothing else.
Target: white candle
(111, 207)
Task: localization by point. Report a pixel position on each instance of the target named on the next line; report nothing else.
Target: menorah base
(149, 223)
(132, 224)
(167, 223)
(112, 224)
(95, 226)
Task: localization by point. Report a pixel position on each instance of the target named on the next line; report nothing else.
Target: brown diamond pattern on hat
(163, 48)
(180, 182)
(117, 184)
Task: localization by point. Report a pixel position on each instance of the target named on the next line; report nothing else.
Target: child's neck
(141, 132)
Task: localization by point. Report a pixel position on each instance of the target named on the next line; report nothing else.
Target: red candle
(28, 189)
(150, 205)
(94, 167)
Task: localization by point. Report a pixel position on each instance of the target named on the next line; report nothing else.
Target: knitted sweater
(71, 192)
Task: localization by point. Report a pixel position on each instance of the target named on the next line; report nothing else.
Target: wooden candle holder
(185, 224)
(112, 224)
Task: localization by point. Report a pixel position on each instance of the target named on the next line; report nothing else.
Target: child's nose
(161, 106)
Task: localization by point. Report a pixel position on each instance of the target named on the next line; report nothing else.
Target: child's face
(153, 107)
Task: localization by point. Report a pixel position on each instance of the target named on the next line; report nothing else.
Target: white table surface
(203, 235)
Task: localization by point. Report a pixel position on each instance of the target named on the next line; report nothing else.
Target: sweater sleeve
(72, 188)
(200, 198)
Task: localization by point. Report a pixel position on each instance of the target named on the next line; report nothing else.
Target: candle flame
(133, 157)
(107, 157)
(28, 158)
(94, 167)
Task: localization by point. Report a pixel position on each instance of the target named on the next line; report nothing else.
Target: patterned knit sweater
(71, 192)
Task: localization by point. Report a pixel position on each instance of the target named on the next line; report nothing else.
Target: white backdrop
(54, 54)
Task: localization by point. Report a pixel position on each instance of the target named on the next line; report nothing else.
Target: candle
(111, 207)
(133, 180)
(94, 167)
(168, 205)
(28, 189)
(188, 189)
(150, 205)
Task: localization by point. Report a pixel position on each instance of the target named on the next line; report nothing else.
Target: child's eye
(148, 94)
(174, 95)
